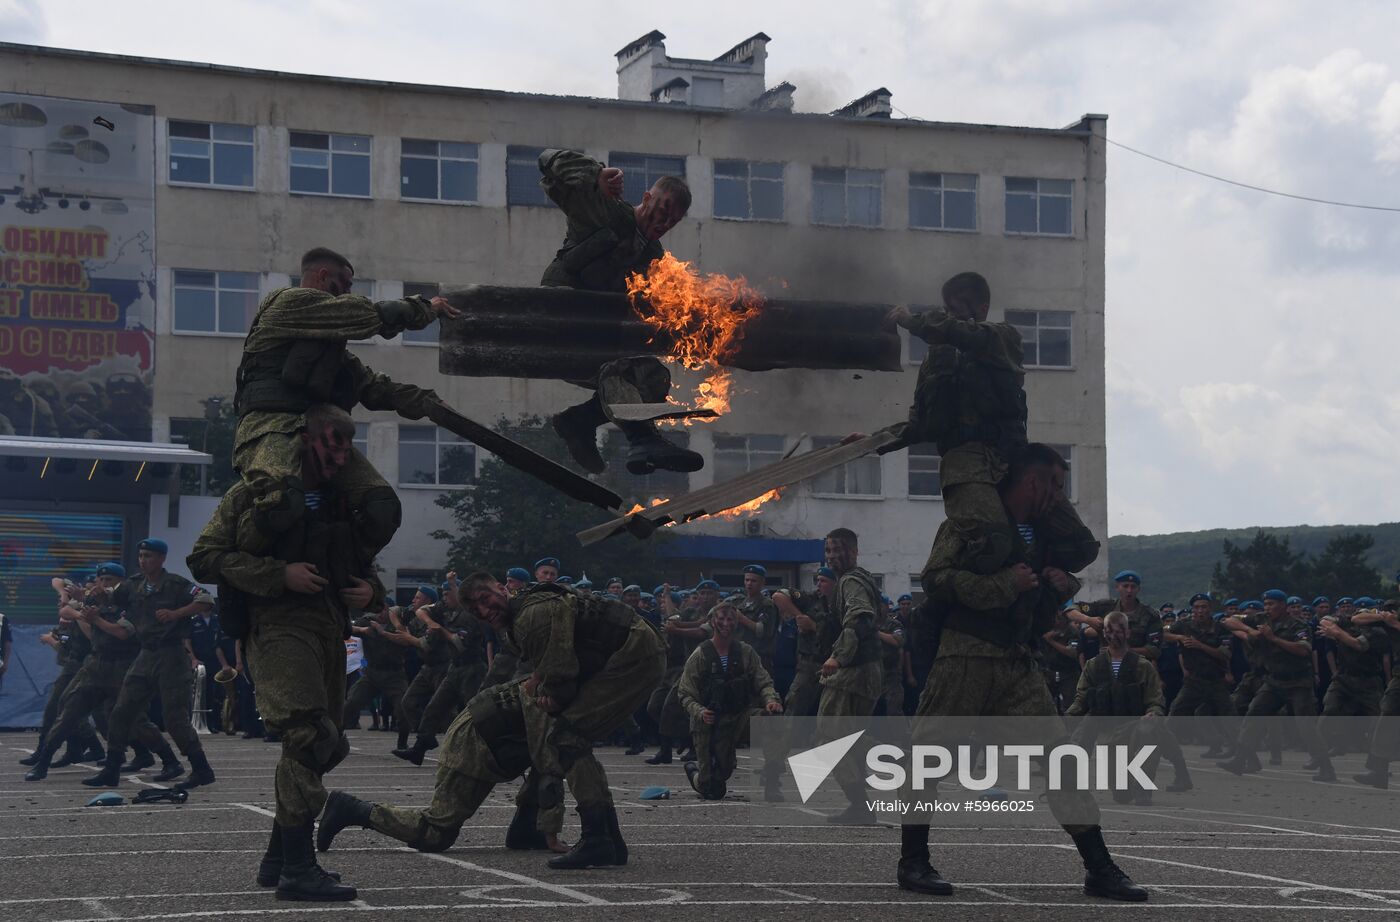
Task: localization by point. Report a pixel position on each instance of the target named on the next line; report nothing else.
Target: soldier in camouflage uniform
(606, 241)
(73, 647)
(970, 401)
(461, 633)
(1205, 658)
(292, 605)
(295, 355)
(1359, 679)
(682, 631)
(436, 652)
(156, 607)
(595, 661)
(1062, 667)
(758, 616)
(1385, 736)
(721, 683)
(816, 634)
(986, 664)
(1144, 621)
(1286, 648)
(384, 666)
(890, 630)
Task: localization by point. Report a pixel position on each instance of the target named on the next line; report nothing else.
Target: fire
(750, 506)
(703, 316)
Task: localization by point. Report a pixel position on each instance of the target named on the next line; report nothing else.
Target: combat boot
(33, 757)
(915, 873)
(200, 771)
(110, 775)
(140, 758)
(663, 754)
(1244, 763)
(95, 753)
(1313, 764)
(615, 833)
(40, 771)
(635, 746)
(650, 450)
(342, 810)
(302, 878)
(578, 427)
(773, 784)
(1377, 773)
(855, 813)
(521, 834)
(403, 739)
(170, 767)
(1325, 772)
(419, 749)
(1216, 751)
(1104, 878)
(594, 848)
(71, 756)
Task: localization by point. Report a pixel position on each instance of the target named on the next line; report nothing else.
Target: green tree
(510, 519)
(212, 434)
(1267, 562)
(1341, 568)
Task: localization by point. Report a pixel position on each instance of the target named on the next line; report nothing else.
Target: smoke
(820, 90)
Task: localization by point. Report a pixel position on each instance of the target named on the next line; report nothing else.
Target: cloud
(22, 21)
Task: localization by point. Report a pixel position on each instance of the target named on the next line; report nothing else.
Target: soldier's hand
(774, 707)
(442, 308)
(1024, 578)
(1057, 578)
(805, 624)
(548, 704)
(830, 666)
(165, 615)
(900, 316)
(359, 595)
(610, 182)
(303, 578)
(707, 716)
(530, 684)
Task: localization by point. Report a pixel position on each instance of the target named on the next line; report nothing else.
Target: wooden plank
(719, 497)
(647, 412)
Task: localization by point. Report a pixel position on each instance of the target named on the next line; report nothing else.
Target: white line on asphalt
(557, 889)
(799, 896)
(95, 905)
(260, 811)
(1349, 891)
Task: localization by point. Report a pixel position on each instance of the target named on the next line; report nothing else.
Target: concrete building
(422, 185)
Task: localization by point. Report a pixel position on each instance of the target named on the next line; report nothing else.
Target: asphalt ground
(1235, 857)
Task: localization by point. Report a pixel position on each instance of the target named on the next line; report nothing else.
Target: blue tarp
(25, 688)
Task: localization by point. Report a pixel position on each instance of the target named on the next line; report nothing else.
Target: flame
(750, 506)
(702, 315)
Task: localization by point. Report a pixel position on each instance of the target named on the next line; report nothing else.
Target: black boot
(915, 873)
(200, 772)
(692, 772)
(342, 810)
(1377, 773)
(170, 767)
(270, 868)
(649, 451)
(578, 427)
(635, 746)
(595, 846)
(95, 752)
(419, 749)
(43, 758)
(110, 775)
(141, 758)
(72, 755)
(521, 834)
(1313, 764)
(1104, 878)
(855, 813)
(1325, 772)
(33, 757)
(773, 784)
(663, 754)
(1244, 763)
(615, 833)
(403, 740)
(302, 878)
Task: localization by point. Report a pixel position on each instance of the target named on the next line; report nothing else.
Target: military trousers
(92, 693)
(1245, 690)
(664, 706)
(1141, 732)
(806, 689)
(1385, 737)
(81, 730)
(715, 752)
(1010, 685)
(458, 685)
(415, 700)
(1206, 700)
(1348, 696)
(841, 703)
(390, 683)
(298, 662)
(1271, 698)
(163, 673)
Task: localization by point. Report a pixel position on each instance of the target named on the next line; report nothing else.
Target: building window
(923, 470)
(1045, 337)
(362, 287)
(208, 154)
(1039, 206)
(429, 456)
(658, 483)
(860, 477)
(361, 441)
(918, 349)
(943, 201)
(916, 588)
(438, 171)
(523, 177)
(846, 197)
(748, 191)
(214, 302)
(429, 335)
(1067, 452)
(641, 171)
(739, 454)
(407, 582)
(330, 164)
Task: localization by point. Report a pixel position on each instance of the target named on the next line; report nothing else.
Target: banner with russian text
(77, 268)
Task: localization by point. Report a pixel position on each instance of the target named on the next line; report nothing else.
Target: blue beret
(547, 562)
(649, 596)
(756, 568)
(1253, 605)
(885, 599)
(1127, 576)
(658, 590)
(1274, 595)
(153, 544)
(1234, 602)
(389, 601)
(633, 587)
(519, 573)
(565, 580)
(905, 598)
(1294, 600)
(1321, 599)
(706, 584)
(585, 583)
(1200, 597)
(1364, 601)
(111, 569)
(613, 579)
(1346, 600)
(1167, 606)
(1218, 615)
(827, 572)
(429, 591)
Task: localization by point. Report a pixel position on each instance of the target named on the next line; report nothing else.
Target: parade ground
(690, 860)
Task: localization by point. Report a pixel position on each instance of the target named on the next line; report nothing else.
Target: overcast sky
(1252, 373)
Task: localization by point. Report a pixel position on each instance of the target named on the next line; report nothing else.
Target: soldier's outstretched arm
(571, 181)
(380, 392)
(306, 313)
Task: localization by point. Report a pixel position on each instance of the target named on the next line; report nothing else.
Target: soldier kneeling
(722, 679)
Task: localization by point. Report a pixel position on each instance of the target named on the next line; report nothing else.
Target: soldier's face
(906, 606)
(490, 603)
(1324, 609)
(723, 622)
(149, 562)
(1116, 633)
(334, 280)
(615, 588)
(1128, 590)
(707, 597)
(1275, 609)
(1296, 610)
(546, 574)
(513, 584)
(839, 555)
(108, 582)
(826, 585)
(1200, 610)
(632, 598)
(328, 451)
(420, 601)
(753, 584)
(658, 213)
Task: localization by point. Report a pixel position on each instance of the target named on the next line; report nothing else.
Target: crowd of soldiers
(115, 405)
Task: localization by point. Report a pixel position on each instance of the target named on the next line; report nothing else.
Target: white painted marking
(557, 889)
(260, 811)
(1349, 891)
(95, 905)
(798, 896)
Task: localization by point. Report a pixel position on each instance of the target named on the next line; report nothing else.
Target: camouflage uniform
(806, 689)
(162, 668)
(1249, 683)
(296, 641)
(1061, 671)
(437, 653)
(970, 401)
(853, 689)
(1203, 691)
(892, 664)
(464, 674)
(295, 356)
(764, 640)
(730, 691)
(1144, 625)
(383, 674)
(1385, 737)
(1355, 691)
(74, 649)
(1288, 680)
